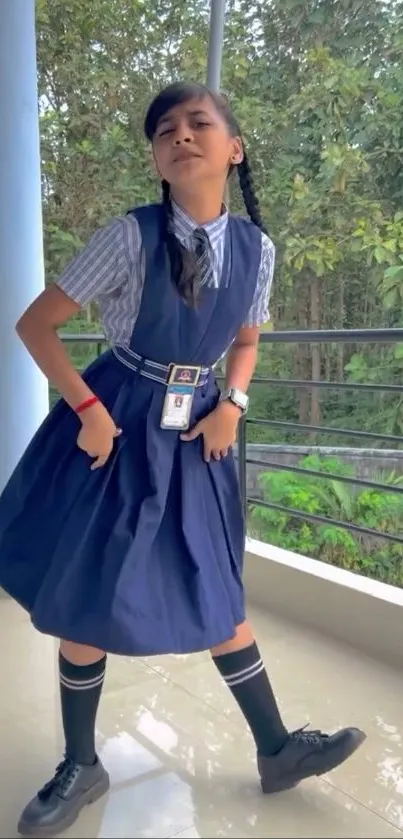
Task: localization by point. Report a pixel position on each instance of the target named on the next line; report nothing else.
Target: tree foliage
(318, 88)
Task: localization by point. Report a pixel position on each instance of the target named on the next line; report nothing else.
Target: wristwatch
(237, 397)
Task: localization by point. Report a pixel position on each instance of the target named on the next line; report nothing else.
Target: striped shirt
(111, 271)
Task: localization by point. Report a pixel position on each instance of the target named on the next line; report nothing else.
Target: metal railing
(371, 336)
(324, 337)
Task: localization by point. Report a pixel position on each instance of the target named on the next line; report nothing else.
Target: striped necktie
(203, 257)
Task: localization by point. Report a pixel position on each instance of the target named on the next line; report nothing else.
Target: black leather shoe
(307, 753)
(59, 803)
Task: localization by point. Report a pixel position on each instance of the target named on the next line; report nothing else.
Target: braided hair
(184, 267)
(249, 196)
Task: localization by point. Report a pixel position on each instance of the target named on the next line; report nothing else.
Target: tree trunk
(340, 347)
(315, 412)
(301, 355)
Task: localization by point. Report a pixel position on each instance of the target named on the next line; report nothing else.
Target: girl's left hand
(218, 430)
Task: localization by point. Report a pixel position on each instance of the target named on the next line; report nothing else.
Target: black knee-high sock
(245, 674)
(80, 692)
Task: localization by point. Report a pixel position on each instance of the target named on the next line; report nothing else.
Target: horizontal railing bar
(316, 519)
(291, 336)
(333, 336)
(314, 473)
(325, 429)
(310, 383)
(83, 338)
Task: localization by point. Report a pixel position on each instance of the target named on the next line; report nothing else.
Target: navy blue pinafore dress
(143, 556)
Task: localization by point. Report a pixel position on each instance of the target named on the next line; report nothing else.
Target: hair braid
(250, 198)
(183, 264)
(166, 193)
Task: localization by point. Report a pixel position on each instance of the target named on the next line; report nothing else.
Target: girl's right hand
(97, 434)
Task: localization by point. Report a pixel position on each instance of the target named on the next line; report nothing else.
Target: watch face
(240, 398)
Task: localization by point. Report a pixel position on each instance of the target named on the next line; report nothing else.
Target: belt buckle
(183, 374)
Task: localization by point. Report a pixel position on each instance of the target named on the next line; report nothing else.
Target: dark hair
(183, 263)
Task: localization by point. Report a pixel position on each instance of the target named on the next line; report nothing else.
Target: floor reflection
(181, 760)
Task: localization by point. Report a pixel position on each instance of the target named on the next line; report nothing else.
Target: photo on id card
(177, 407)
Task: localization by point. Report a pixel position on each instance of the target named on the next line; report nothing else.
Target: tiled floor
(180, 758)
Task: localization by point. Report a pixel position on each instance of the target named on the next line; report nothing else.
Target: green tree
(318, 87)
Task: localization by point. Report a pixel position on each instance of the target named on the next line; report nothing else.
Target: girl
(121, 529)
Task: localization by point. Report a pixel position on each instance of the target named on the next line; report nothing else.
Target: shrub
(381, 511)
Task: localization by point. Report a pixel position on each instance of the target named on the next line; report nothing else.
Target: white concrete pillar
(23, 389)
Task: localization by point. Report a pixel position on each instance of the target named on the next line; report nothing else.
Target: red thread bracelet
(86, 404)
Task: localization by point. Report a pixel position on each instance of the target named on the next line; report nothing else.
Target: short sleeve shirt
(111, 271)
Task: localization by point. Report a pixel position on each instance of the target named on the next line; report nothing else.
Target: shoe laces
(314, 737)
(65, 773)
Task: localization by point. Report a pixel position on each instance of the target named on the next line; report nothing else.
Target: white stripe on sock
(87, 684)
(249, 673)
(244, 671)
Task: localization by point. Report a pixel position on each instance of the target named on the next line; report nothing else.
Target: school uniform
(143, 556)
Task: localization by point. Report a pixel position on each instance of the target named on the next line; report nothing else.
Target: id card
(177, 407)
